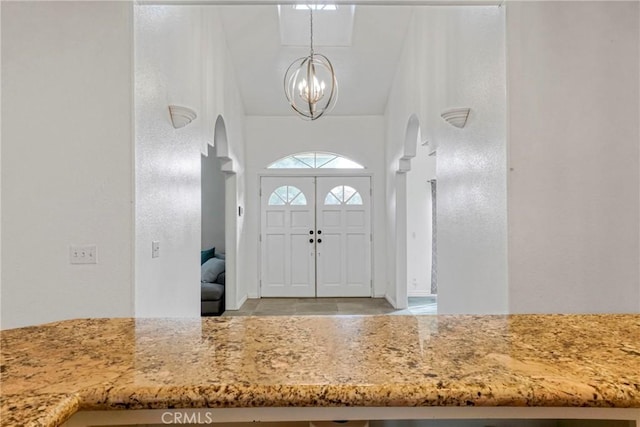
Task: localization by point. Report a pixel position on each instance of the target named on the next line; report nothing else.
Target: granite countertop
(49, 372)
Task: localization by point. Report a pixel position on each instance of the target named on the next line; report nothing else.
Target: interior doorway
(213, 235)
(416, 225)
(421, 225)
(315, 236)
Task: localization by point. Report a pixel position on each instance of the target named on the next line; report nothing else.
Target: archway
(404, 165)
(221, 144)
(414, 211)
(213, 230)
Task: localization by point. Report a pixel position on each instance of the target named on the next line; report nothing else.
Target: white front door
(343, 249)
(315, 237)
(288, 247)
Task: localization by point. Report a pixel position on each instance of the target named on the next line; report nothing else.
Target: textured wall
(574, 150)
(167, 161)
(471, 163)
(181, 59)
(454, 57)
(66, 160)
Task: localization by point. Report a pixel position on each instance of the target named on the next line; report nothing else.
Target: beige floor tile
(274, 310)
(329, 306)
(251, 303)
(235, 313)
(316, 308)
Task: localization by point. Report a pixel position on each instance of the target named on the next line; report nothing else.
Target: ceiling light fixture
(310, 83)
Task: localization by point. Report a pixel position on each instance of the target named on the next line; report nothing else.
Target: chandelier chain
(311, 28)
(310, 83)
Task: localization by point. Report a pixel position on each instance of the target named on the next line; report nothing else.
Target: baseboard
(419, 294)
(243, 300)
(390, 301)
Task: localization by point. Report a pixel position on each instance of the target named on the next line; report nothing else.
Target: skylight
(315, 7)
(333, 28)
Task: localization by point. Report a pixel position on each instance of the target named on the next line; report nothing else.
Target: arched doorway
(415, 179)
(213, 228)
(231, 214)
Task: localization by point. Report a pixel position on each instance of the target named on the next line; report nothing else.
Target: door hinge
(260, 238)
(371, 191)
(371, 237)
(260, 191)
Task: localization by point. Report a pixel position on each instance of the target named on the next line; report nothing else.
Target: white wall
(229, 104)
(0, 172)
(180, 59)
(213, 203)
(574, 157)
(454, 57)
(471, 163)
(66, 160)
(403, 102)
(271, 138)
(167, 161)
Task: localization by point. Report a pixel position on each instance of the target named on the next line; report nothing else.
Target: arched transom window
(287, 195)
(315, 160)
(343, 195)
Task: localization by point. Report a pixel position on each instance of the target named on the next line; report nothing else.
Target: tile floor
(331, 306)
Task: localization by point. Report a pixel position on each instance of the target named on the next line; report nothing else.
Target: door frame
(337, 173)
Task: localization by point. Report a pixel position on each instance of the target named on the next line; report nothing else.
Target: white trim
(288, 173)
(390, 300)
(420, 294)
(242, 301)
(227, 415)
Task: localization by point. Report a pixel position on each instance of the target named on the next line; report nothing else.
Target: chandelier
(310, 83)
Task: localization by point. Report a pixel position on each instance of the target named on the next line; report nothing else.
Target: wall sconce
(181, 116)
(456, 116)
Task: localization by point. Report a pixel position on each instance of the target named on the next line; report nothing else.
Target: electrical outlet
(155, 249)
(83, 254)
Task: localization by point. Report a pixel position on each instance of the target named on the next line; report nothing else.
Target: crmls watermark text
(176, 417)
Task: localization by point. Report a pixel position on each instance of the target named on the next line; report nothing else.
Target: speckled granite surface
(51, 371)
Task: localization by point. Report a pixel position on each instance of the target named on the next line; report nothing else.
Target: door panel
(316, 237)
(287, 255)
(343, 260)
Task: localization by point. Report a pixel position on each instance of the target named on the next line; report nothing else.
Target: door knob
(310, 231)
(310, 240)
(319, 231)
(319, 240)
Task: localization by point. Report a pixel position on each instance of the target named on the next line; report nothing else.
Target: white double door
(315, 237)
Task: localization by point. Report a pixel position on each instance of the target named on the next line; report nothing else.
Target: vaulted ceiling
(365, 67)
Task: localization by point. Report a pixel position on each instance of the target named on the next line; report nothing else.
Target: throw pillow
(207, 255)
(211, 269)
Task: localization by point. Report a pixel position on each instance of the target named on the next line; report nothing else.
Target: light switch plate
(83, 254)
(155, 249)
